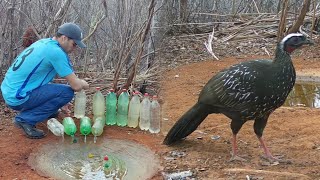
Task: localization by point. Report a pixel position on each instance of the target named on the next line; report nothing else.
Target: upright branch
(282, 23)
(313, 18)
(95, 26)
(209, 44)
(142, 35)
(255, 5)
(58, 18)
(299, 22)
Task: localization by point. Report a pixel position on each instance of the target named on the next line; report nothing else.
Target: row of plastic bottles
(68, 126)
(122, 111)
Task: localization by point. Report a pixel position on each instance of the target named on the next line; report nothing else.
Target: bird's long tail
(187, 123)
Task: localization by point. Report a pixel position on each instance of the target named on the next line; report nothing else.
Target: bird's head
(294, 41)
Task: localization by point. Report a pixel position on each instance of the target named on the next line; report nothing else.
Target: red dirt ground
(292, 132)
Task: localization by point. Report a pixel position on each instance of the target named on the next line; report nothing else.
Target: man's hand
(85, 85)
(66, 109)
(76, 83)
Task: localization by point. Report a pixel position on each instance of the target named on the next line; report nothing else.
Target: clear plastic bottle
(155, 116)
(134, 110)
(98, 104)
(80, 104)
(55, 127)
(123, 104)
(97, 128)
(144, 123)
(111, 104)
(85, 127)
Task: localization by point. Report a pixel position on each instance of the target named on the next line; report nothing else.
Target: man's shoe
(31, 131)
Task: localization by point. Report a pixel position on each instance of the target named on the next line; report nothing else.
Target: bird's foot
(275, 159)
(237, 158)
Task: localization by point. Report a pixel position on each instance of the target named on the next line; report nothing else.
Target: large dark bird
(250, 90)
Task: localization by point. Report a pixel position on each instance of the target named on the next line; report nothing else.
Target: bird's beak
(308, 41)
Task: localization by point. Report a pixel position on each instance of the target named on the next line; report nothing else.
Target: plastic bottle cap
(98, 88)
(155, 97)
(111, 90)
(124, 90)
(106, 158)
(146, 94)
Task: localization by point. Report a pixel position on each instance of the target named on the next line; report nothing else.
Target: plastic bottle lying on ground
(55, 127)
(85, 126)
(69, 127)
(97, 128)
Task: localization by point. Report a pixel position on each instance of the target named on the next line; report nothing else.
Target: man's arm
(76, 83)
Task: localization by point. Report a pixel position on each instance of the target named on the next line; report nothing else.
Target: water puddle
(125, 160)
(304, 94)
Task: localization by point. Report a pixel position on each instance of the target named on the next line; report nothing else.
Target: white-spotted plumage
(250, 90)
(256, 87)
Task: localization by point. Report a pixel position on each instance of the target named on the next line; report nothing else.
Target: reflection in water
(305, 95)
(126, 160)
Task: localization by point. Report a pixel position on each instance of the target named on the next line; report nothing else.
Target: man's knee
(68, 93)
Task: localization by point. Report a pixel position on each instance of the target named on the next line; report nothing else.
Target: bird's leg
(234, 154)
(266, 151)
(258, 126)
(236, 125)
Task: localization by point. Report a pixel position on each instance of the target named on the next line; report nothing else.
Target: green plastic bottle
(85, 127)
(123, 105)
(111, 104)
(69, 126)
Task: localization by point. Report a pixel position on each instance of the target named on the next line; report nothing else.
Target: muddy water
(304, 94)
(127, 160)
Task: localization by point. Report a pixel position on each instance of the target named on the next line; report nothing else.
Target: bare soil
(291, 131)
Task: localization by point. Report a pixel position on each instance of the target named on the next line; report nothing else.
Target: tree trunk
(282, 23)
(299, 22)
(183, 11)
(58, 18)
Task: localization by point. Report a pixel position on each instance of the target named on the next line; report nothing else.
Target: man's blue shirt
(35, 66)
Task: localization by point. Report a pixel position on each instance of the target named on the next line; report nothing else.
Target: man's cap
(73, 32)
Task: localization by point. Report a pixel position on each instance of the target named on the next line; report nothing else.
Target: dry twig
(209, 44)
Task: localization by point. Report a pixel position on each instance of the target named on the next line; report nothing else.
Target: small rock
(215, 137)
(169, 158)
(265, 163)
(202, 169)
(176, 76)
(177, 154)
(200, 132)
(177, 175)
